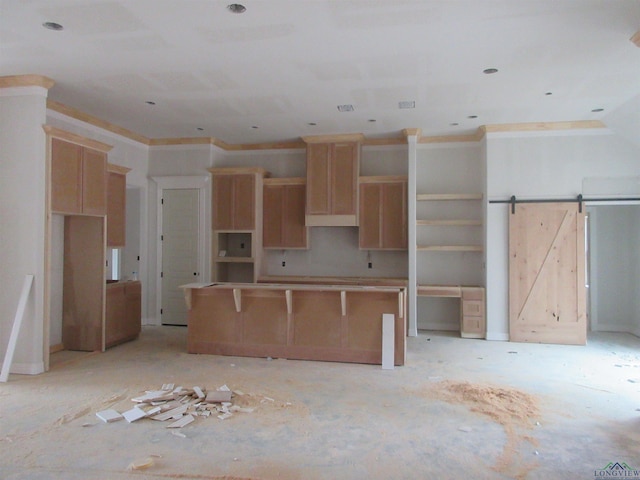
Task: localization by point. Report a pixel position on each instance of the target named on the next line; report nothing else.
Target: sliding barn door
(547, 297)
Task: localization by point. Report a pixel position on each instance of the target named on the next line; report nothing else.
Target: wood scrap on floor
(180, 405)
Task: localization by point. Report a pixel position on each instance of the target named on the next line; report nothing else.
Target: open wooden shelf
(449, 223)
(429, 197)
(449, 248)
(235, 259)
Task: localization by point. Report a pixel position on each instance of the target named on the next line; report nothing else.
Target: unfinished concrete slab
(458, 408)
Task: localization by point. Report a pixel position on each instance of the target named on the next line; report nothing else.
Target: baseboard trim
(498, 337)
(34, 368)
(58, 347)
(442, 327)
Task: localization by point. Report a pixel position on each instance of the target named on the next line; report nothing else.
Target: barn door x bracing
(547, 294)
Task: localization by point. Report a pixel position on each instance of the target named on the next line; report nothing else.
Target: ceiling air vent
(407, 104)
(345, 108)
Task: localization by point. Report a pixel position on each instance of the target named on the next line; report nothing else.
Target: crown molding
(26, 81)
(95, 121)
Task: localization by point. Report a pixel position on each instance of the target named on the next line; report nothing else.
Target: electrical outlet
(370, 265)
(242, 245)
(284, 264)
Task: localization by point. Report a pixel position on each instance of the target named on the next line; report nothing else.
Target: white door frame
(203, 185)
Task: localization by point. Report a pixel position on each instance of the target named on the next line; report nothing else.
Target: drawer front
(472, 307)
(472, 325)
(472, 293)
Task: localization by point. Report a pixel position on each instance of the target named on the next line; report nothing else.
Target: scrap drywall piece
(109, 415)
(140, 464)
(218, 396)
(198, 391)
(178, 434)
(224, 416)
(223, 388)
(170, 414)
(153, 411)
(186, 420)
(236, 408)
(153, 396)
(168, 386)
(388, 341)
(134, 414)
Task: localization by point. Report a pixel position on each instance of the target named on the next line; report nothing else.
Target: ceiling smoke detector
(236, 8)
(407, 104)
(345, 108)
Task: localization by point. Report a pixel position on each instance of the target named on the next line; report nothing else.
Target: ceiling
(280, 70)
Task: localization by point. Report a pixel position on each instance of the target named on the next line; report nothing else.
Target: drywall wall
(22, 216)
(614, 253)
(539, 165)
(56, 273)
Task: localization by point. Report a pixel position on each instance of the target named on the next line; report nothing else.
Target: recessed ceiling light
(150, 102)
(236, 8)
(407, 104)
(255, 127)
(345, 108)
(312, 124)
(372, 120)
(549, 93)
(200, 129)
(454, 124)
(53, 26)
(489, 71)
(596, 110)
(472, 116)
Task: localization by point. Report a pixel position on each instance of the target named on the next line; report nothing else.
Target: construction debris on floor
(181, 406)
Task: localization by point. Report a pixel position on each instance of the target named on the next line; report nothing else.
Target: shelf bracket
(513, 204)
(237, 298)
(287, 294)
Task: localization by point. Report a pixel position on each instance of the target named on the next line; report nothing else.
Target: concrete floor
(333, 421)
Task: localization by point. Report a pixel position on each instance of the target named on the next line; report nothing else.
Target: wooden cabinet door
(133, 309)
(272, 218)
(317, 196)
(370, 216)
(116, 204)
(115, 318)
(283, 216)
(294, 230)
(222, 202)
(66, 177)
(234, 202)
(94, 182)
(344, 180)
(394, 216)
(244, 199)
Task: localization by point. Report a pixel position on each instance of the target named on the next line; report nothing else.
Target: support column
(412, 135)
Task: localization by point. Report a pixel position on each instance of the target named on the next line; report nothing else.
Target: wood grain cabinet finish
(123, 312)
(383, 213)
(332, 181)
(283, 214)
(234, 201)
(116, 205)
(78, 179)
(472, 313)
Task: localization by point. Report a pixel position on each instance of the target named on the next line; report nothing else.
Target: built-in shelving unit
(448, 222)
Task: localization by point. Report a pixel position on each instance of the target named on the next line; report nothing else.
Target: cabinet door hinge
(161, 274)
(162, 201)
(160, 311)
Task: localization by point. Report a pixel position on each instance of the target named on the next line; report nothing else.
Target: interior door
(547, 294)
(180, 217)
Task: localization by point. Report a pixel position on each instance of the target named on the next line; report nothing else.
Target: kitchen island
(341, 323)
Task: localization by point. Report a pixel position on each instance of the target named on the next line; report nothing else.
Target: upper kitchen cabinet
(116, 205)
(383, 213)
(78, 174)
(333, 166)
(283, 214)
(236, 193)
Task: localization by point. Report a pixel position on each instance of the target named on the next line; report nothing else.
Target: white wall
(22, 220)
(539, 165)
(615, 267)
